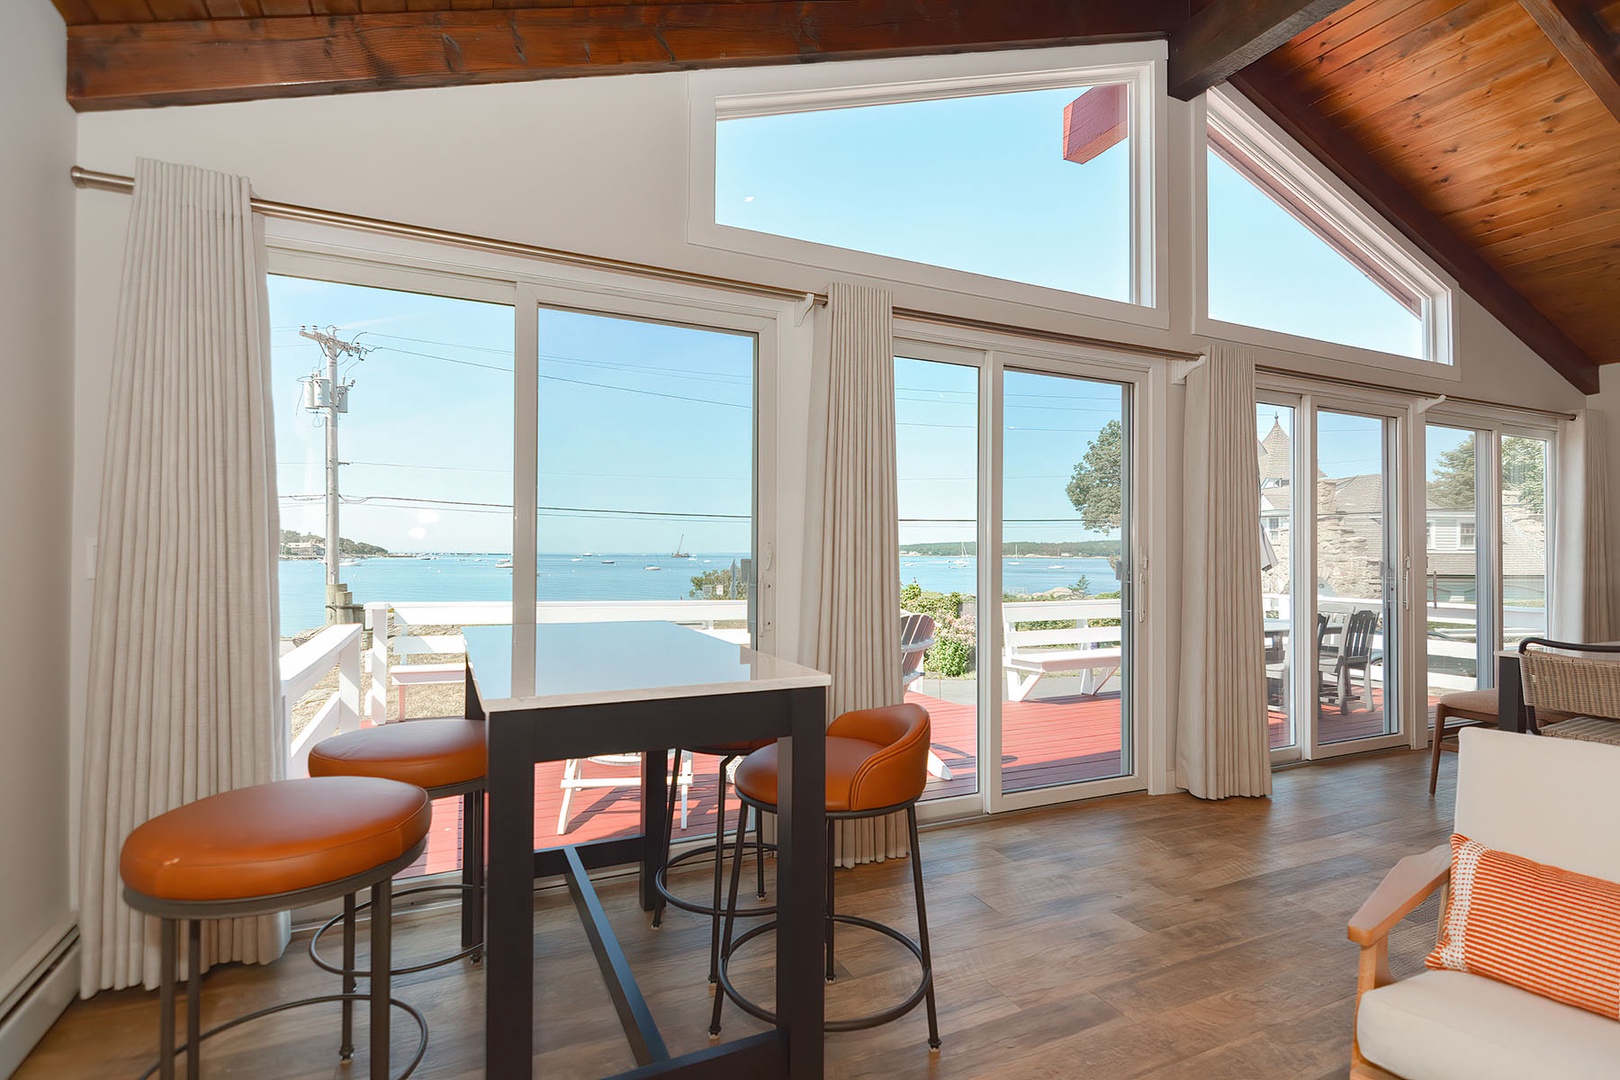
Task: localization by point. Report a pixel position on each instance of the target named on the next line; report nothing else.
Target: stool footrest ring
(855, 1023)
(336, 969)
(257, 1014)
(661, 883)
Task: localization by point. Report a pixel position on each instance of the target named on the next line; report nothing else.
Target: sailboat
(678, 553)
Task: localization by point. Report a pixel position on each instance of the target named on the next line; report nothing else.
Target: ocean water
(625, 577)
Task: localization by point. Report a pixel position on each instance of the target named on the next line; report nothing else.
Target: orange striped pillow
(1542, 929)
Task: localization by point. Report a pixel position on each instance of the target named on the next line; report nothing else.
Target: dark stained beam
(1229, 35)
(174, 63)
(1588, 46)
(1478, 278)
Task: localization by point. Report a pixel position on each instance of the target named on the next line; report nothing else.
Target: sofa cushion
(1549, 931)
(1448, 1025)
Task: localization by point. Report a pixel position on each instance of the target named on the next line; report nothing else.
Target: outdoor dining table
(559, 691)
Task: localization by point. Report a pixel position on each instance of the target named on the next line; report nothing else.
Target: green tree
(720, 584)
(1094, 489)
(1524, 473)
(1453, 485)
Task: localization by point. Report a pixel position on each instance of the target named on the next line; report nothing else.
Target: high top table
(574, 690)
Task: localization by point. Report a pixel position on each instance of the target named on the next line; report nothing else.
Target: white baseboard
(38, 999)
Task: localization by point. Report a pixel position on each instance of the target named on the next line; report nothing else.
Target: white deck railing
(391, 626)
(302, 670)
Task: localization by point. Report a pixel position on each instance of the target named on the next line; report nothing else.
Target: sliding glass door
(1356, 545)
(1065, 610)
(1016, 548)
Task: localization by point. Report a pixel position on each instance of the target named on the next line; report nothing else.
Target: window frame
(722, 94)
(1329, 201)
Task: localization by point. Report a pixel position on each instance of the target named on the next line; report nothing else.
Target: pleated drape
(1221, 733)
(183, 699)
(856, 581)
(1583, 585)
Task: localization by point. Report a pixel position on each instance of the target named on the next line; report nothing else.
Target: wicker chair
(1585, 688)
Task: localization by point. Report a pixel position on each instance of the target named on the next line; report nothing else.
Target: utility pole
(326, 394)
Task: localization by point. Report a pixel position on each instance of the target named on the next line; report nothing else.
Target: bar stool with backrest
(877, 764)
(727, 753)
(446, 758)
(266, 849)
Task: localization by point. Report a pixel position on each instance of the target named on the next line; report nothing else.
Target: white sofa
(1551, 800)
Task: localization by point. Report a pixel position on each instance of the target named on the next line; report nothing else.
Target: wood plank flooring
(1132, 936)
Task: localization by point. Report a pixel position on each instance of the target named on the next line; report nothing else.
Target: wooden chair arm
(1410, 882)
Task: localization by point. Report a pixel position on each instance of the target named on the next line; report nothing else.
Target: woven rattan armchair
(1574, 687)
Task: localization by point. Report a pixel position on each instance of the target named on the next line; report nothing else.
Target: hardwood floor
(1132, 936)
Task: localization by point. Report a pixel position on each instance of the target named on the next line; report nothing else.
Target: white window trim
(1236, 118)
(722, 93)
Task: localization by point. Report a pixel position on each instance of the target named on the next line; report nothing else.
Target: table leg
(654, 821)
(509, 936)
(1509, 695)
(801, 888)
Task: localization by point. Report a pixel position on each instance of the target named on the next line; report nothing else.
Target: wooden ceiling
(1488, 131)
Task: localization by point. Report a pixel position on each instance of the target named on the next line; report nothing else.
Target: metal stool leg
(673, 791)
(831, 907)
(166, 959)
(731, 911)
(922, 927)
(346, 1041)
(719, 864)
(381, 961)
(194, 1002)
(472, 873)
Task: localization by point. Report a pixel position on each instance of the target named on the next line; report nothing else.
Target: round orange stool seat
(274, 838)
(427, 753)
(757, 773)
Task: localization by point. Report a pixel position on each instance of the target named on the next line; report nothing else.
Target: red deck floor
(1061, 739)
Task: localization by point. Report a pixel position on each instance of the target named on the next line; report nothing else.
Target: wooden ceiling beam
(1229, 35)
(1588, 46)
(133, 65)
(1278, 99)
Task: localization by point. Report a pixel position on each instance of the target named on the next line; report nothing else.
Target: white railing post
(349, 685)
(377, 663)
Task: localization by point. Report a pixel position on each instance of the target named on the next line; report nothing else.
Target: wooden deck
(1061, 739)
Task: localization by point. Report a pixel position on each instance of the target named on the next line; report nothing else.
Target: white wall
(36, 448)
(594, 165)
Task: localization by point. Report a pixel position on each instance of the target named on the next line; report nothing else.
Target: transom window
(1034, 179)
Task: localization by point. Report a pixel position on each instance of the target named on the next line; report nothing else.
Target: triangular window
(1286, 254)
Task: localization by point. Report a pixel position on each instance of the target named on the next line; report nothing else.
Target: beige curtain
(1221, 743)
(1583, 585)
(183, 699)
(852, 619)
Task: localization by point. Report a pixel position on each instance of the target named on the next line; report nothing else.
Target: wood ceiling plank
(1535, 250)
(1229, 35)
(177, 10)
(1581, 40)
(1357, 31)
(1272, 92)
(1608, 16)
(190, 62)
(1427, 57)
(119, 11)
(75, 12)
(1494, 138)
(234, 9)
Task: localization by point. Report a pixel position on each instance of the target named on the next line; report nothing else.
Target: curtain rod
(1359, 385)
(100, 181)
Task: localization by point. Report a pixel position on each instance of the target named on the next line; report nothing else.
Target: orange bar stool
(269, 848)
(445, 758)
(727, 753)
(877, 764)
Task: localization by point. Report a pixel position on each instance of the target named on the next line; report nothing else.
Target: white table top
(598, 663)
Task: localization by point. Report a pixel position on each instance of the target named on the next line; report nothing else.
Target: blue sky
(646, 433)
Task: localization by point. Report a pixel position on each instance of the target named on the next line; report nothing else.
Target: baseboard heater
(45, 984)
